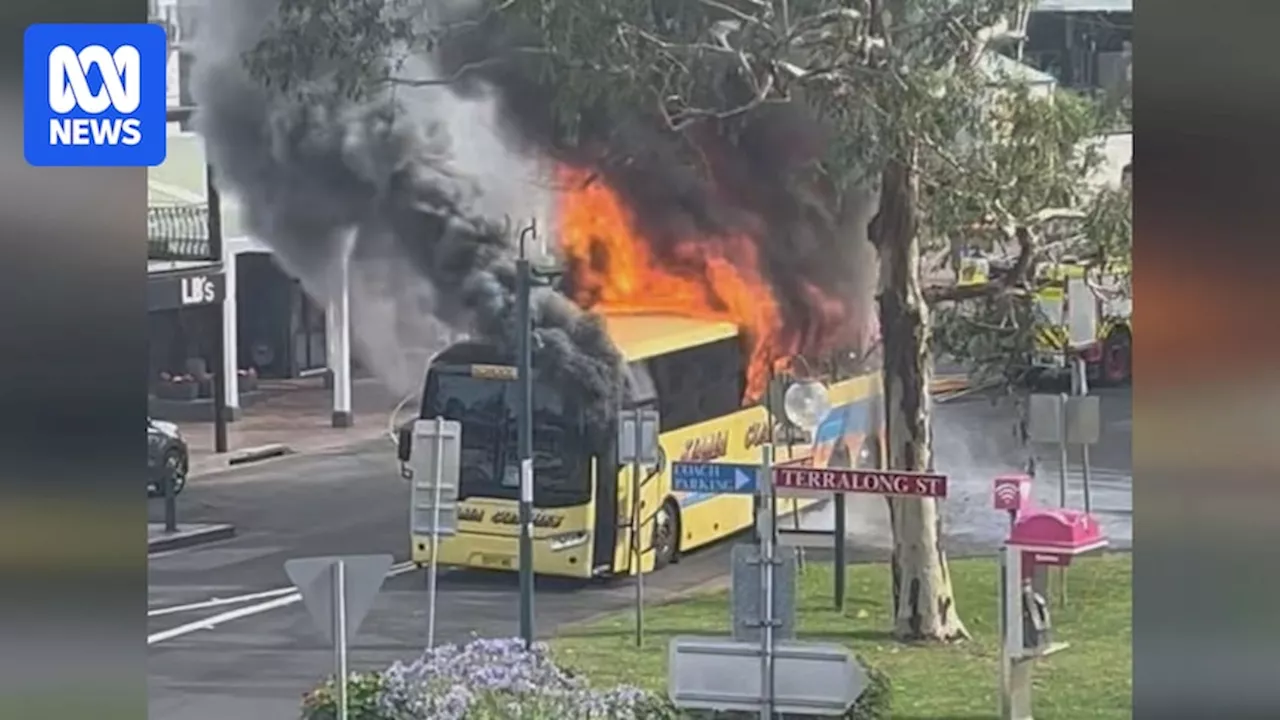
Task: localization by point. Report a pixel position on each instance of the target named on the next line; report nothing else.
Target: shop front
(183, 313)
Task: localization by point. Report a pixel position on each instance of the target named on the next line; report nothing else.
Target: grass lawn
(1092, 679)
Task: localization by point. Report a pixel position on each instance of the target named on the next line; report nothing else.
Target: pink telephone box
(1054, 536)
(1039, 536)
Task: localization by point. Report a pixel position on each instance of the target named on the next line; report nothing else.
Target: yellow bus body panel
(488, 531)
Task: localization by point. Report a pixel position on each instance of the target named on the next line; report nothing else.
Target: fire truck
(1110, 355)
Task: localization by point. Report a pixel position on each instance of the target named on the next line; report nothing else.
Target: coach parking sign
(94, 95)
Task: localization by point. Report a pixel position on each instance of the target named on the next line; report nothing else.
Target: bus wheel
(666, 535)
(1117, 357)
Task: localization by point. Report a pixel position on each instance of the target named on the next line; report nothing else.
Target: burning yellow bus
(694, 372)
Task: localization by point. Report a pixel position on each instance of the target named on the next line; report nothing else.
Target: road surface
(257, 655)
(974, 441)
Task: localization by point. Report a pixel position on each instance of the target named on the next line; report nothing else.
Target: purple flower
(499, 679)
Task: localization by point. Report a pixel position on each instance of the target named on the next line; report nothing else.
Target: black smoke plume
(319, 176)
(751, 176)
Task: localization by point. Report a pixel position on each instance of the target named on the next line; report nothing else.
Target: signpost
(747, 597)
(708, 673)
(715, 478)
(638, 447)
(338, 592)
(876, 482)
(715, 673)
(1066, 420)
(433, 496)
(801, 678)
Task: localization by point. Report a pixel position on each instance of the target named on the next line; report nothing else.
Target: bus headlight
(566, 541)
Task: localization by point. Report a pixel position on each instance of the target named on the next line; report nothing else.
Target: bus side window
(700, 383)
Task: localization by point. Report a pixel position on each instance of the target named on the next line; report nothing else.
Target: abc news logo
(69, 91)
(93, 94)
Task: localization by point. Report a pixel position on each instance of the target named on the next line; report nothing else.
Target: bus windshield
(487, 410)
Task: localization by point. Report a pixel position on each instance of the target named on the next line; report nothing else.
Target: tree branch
(1016, 281)
(744, 17)
(458, 74)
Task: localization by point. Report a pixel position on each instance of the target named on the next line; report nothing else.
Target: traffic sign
(638, 437)
(746, 593)
(435, 469)
(314, 578)
(875, 482)
(708, 673)
(715, 478)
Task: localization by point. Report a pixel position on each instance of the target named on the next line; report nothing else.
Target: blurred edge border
(1205, 406)
(72, 373)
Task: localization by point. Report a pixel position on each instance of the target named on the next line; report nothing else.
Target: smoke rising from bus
(740, 228)
(417, 185)
(413, 184)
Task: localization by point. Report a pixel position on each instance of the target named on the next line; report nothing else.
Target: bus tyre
(666, 536)
(1117, 358)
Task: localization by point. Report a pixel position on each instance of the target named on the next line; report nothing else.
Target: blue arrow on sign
(714, 478)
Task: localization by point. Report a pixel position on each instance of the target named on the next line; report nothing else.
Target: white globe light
(805, 404)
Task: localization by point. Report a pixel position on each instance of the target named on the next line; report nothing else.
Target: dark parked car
(166, 457)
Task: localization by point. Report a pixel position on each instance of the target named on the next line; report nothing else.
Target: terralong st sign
(875, 482)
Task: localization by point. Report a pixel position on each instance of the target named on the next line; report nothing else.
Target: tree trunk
(924, 606)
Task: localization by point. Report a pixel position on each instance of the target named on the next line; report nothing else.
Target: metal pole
(767, 545)
(1063, 461)
(433, 572)
(170, 505)
(1086, 475)
(340, 635)
(214, 203)
(637, 517)
(525, 425)
(840, 561)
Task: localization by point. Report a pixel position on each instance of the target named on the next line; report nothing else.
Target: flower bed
(500, 680)
(484, 680)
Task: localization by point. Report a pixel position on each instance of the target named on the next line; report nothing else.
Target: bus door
(612, 515)
(607, 499)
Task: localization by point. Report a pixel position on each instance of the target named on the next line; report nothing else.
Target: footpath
(294, 417)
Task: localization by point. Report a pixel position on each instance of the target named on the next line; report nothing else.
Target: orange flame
(614, 271)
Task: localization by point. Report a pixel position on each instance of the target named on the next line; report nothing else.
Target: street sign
(638, 428)
(745, 594)
(1051, 416)
(715, 478)
(875, 482)
(706, 673)
(434, 468)
(314, 578)
(1082, 314)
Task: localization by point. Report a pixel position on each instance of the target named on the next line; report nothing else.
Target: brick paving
(296, 413)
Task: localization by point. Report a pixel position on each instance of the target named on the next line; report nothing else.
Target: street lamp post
(524, 282)
(526, 278)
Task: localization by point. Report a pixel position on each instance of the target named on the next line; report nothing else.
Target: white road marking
(217, 602)
(211, 622)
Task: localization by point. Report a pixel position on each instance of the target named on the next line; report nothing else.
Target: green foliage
(326, 45)
(364, 691)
